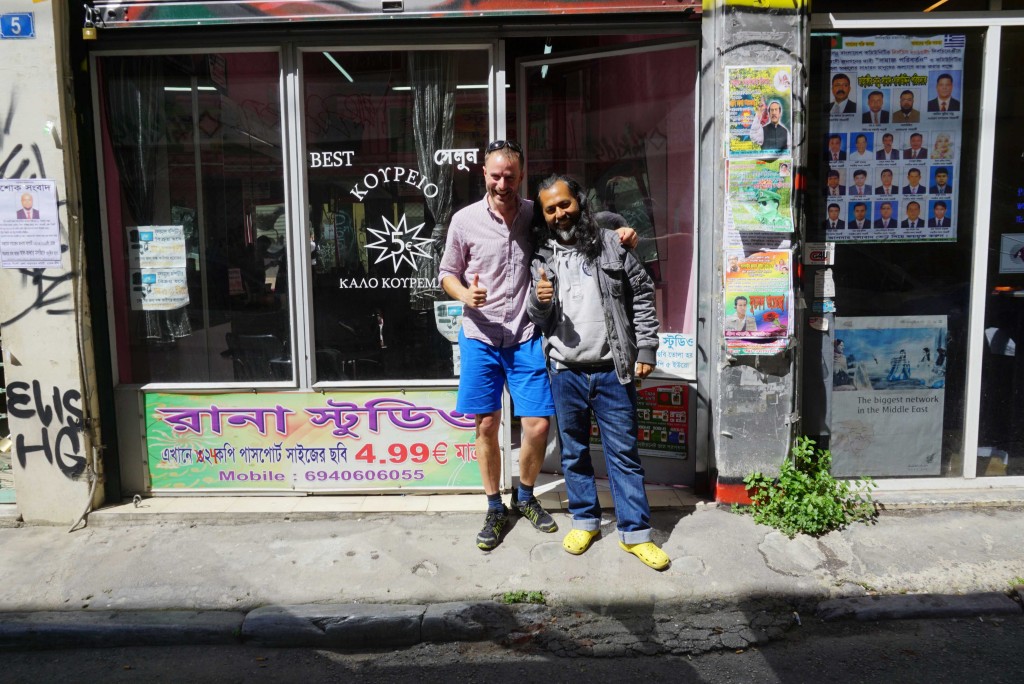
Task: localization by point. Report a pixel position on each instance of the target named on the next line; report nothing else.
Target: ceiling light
(340, 68)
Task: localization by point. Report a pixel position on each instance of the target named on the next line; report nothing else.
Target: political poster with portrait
(893, 141)
(760, 193)
(888, 394)
(758, 297)
(760, 111)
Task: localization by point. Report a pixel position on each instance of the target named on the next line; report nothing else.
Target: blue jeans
(614, 406)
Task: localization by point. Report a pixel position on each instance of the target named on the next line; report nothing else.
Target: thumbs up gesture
(545, 290)
(476, 296)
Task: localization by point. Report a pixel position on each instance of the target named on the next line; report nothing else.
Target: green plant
(806, 499)
(522, 596)
(1017, 581)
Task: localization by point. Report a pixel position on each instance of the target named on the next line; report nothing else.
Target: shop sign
(327, 160)
(459, 157)
(394, 174)
(677, 355)
(279, 441)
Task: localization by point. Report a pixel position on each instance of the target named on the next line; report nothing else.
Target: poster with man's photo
(888, 394)
(760, 193)
(893, 141)
(760, 111)
(758, 295)
(29, 224)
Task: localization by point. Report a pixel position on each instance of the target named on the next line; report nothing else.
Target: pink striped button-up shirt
(480, 243)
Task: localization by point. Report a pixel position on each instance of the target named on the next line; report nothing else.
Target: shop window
(1000, 427)
(893, 122)
(616, 113)
(193, 167)
(393, 143)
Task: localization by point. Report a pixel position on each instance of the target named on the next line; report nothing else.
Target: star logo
(399, 242)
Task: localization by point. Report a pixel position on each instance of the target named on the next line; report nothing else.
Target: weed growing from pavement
(522, 596)
(806, 499)
(1017, 581)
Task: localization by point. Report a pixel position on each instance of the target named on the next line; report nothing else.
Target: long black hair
(588, 234)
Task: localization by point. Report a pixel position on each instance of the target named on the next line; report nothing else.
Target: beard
(566, 234)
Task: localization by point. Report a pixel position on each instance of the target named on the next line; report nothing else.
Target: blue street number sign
(18, 25)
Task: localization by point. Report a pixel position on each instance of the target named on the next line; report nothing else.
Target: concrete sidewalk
(364, 579)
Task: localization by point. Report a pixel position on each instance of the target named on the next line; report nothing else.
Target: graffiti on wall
(18, 160)
(58, 417)
(51, 425)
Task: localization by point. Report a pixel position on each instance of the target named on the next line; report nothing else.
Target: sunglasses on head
(502, 144)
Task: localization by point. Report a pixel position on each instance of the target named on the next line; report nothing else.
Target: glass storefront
(279, 228)
(274, 217)
(1001, 428)
(893, 185)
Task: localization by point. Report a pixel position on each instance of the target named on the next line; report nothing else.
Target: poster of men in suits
(893, 108)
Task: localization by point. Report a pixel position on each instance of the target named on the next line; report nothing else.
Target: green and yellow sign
(307, 441)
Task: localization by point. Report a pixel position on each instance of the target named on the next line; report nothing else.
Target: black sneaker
(534, 512)
(490, 535)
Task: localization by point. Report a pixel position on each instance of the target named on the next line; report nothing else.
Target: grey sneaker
(494, 524)
(534, 512)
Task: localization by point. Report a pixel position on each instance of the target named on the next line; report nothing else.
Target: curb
(360, 626)
(907, 607)
(353, 625)
(346, 625)
(58, 629)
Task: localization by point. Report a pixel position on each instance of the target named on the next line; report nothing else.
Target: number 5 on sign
(21, 25)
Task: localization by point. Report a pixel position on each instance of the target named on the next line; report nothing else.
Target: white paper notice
(29, 224)
(156, 255)
(824, 285)
(158, 289)
(156, 247)
(677, 356)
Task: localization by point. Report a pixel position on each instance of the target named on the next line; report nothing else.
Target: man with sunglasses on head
(486, 266)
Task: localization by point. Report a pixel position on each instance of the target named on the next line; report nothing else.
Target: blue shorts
(484, 370)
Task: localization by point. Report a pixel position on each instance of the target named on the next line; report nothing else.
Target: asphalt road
(975, 650)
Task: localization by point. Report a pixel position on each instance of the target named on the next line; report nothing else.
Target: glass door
(1000, 427)
(621, 120)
